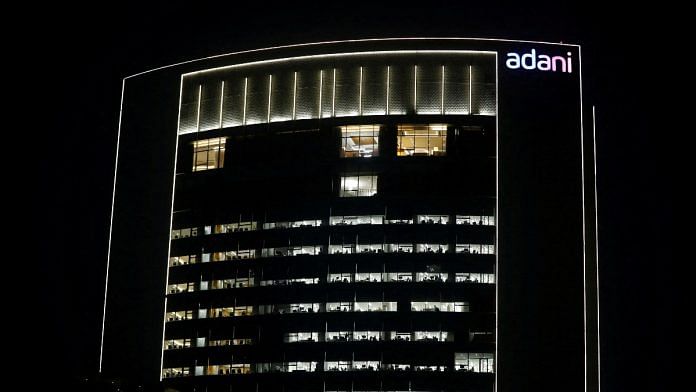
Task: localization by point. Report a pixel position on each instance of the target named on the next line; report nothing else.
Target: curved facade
(335, 218)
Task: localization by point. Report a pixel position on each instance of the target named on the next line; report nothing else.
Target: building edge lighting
(497, 212)
(584, 226)
(596, 205)
(310, 44)
(111, 225)
(171, 223)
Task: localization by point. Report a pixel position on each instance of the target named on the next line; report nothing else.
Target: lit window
(474, 362)
(208, 154)
(359, 141)
(358, 186)
(295, 337)
(422, 140)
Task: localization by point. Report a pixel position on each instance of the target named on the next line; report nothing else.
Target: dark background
(90, 50)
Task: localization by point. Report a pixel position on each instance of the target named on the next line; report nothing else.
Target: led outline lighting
(111, 224)
(471, 88)
(497, 214)
(198, 110)
(222, 100)
(442, 92)
(415, 88)
(270, 93)
(311, 44)
(386, 111)
(246, 83)
(360, 87)
(333, 94)
(333, 103)
(171, 223)
(584, 227)
(294, 96)
(596, 200)
(321, 90)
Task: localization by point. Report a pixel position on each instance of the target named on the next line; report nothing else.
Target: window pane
(208, 154)
(422, 140)
(359, 141)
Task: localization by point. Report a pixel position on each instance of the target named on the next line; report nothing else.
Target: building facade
(376, 215)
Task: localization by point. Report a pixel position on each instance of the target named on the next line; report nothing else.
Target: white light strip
(388, 81)
(294, 96)
(415, 88)
(498, 40)
(497, 217)
(333, 55)
(244, 105)
(321, 90)
(111, 225)
(594, 158)
(270, 86)
(360, 87)
(222, 100)
(584, 244)
(198, 108)
(333, 95)
(442, 92)
(471, 83)
(171, 223)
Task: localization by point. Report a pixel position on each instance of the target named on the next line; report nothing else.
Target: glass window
(366, 365)
(433, 219)
(339, 249)
(432, 248)
(400, 248)
(339, 306)
(344, 220)
(208, 154)
(474, 362)
(469, 277)
(484, 220)
(295, 337)
(368, 277)
(422, 140)
(372, 336)
(339, 336)
(436, 336)
(437, 306)
(399, 277)
(182, 260)
(337, 366)
(400, 336)
(431, 276)
(359, 141)
(375, 306)
(358, 186)
(340, 278)
(370, 248)
(301, 367)
(476, 249)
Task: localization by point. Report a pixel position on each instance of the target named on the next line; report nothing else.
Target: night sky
(90, 53)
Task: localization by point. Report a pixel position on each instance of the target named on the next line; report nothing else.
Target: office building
(374, 215)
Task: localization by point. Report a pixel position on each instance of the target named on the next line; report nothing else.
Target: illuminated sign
(540, 62)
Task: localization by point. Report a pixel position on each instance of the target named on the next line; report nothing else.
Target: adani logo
(540, 62)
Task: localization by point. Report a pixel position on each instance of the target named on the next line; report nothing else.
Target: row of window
(315, 336)
(318, 307)
(357, 141)
(470, 362)
(341, 220)
(370, 336)
(315, 250)
(371, 277)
